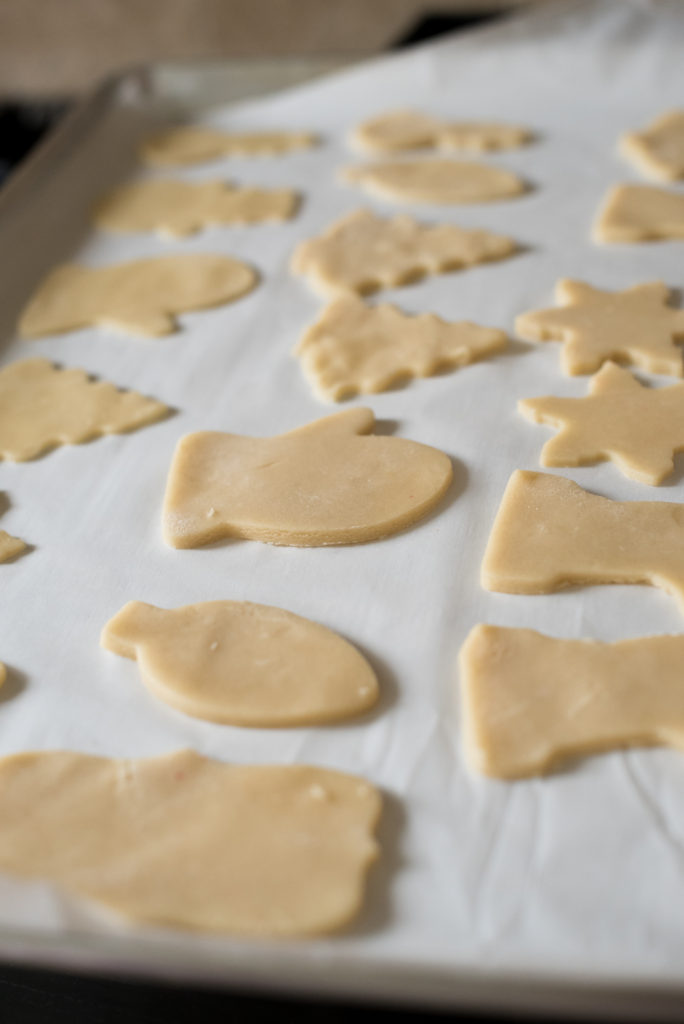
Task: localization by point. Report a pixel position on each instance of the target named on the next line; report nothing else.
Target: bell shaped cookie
(243, 664)
(195, 144)
(325, 483)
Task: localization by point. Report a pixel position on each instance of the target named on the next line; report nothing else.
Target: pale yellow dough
(354, 348)
(637, 428)
(10, 547)
(401, 130)
(178, 208)
(640, 213)
(363, 252)
(530, 700)
(42, 406)
(633, 326)
(550, 533)
(435, 181)
(185, 841)
(3, 670)
(324, 483)
(141, 297)
(195, 145)
(659, 149)
(242, 663)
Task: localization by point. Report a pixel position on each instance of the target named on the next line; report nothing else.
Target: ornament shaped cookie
(549, 533)
(324, 483)
(184, 841)
(637, 428)
(242, 663)
(531, 701)
(658, 150)
(435, 181)
(363, 252)
(141, 297)
(401, 130)
(354, 348)
(186, 145)
(42, 406)
(640, 213)
(178, 208)
(633, 326)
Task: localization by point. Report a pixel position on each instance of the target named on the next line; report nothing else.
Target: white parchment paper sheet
(580, 874)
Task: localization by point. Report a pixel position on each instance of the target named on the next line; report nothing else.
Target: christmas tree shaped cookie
(633, 326)
(401, 130)
(354, 348)
(193, 144)
(42, 406)
(640, 213)
(435, 181)
(243, 663)
(659, 149)
(325, 483)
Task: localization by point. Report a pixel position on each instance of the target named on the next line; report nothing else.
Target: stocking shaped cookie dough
(142, 297)
(242, 663)
(530, 700)
(659, 149)
(549, 533)
(181, 840)
(194, 144)
(401, 130)
(640, 213)
(324, 483)
(435, 181)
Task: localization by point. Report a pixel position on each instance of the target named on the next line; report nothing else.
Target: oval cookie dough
(435, 181)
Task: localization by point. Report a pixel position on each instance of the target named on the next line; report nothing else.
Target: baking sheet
(492, 893)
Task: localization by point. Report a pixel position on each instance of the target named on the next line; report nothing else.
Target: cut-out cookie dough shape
(549, 533)
(363, 252)
(181, 840)
(640, 213)
(178, 208)
(435, 181)
(141, 297)
(3, 669)
(242, 663)
(324, 483)
(659, 149)
(10, 547)
(190, 144)
(401, 130)
(637, 428)
(354, 348)
(635, 326)
(531, 701)
(42, 406)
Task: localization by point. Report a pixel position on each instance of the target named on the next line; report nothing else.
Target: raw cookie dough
(181, 840)
(659, 149)
(178, 208)
(633, 326)
(637, 428)
(400, 130)
(435, 181)
(10, 547)
(324, 483)
(363, 252)
(140, 297)
(640, 213)
(3, 670)
(550, 533)
(531, 700)
(42, 406)
(242, 663)
(195, 145)
(355, 348)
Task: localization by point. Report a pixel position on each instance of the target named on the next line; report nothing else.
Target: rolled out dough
(193, 144)
(435, 181)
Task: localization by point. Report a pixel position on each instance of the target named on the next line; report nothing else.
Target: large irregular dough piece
(363, 252)
(659, 149)
(185, 841)
(354, 348)
(179, 208)
(550, 533)
(141, 297)
(640, 213)
(324, 483)
(242, 663)
(435, 181)
(637, 428)
(531, 700)
(195, 145)
(10, 547)
(42, 406)
(633, 326)
(402, 130)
